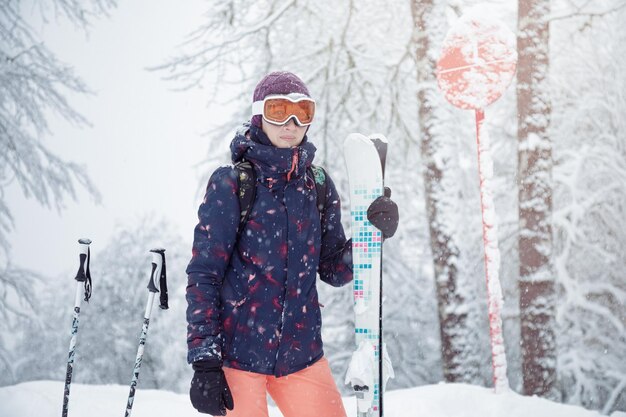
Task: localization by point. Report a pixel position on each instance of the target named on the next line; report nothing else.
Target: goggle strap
(257, 107)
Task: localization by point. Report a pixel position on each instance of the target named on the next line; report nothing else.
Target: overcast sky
(144, 142)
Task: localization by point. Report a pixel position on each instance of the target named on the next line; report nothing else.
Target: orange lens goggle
(278, 109)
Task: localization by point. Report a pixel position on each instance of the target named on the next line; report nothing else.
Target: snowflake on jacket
(253, 303)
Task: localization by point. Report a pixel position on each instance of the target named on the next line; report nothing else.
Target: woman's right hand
(209, 391)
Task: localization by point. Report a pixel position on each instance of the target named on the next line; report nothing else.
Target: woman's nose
(291, 123)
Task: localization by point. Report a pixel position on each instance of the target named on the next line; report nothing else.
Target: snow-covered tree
(590, 201)
(16, 308)
(33, 84)
(440, 161)
(536, 280)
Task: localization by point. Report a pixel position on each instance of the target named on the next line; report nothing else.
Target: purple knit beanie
(279, 82)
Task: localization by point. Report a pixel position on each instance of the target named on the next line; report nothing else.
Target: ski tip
(84, 241)
(354, 136)
(378, 136)
(157, 250)
(355, 139)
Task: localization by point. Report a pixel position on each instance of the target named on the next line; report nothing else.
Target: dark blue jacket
(253, 303)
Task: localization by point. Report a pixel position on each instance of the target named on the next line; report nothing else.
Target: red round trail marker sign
(477, 63)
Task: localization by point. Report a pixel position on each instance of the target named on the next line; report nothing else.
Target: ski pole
(157, 277)
(381, 147)
(83, 287)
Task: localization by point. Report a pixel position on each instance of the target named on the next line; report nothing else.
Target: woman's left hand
(383, 214)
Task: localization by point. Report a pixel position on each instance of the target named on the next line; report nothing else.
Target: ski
(365, 161)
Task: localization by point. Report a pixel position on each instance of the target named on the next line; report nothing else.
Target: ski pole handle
(158, 255)
(158, 278)
(83, 276)
(83, 247)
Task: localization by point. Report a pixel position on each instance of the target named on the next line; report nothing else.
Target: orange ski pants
(311, 392)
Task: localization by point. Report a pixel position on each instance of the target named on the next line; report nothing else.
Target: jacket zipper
(282, 314)
(294, 163)
(294, 167)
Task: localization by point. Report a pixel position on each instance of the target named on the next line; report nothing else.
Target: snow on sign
(477, 64)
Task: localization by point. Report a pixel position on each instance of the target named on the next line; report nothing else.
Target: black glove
(209, 392)
(383, 214)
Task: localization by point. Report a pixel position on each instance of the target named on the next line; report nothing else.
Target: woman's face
(285, 136)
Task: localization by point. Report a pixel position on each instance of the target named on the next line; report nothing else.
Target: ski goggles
(278, 109)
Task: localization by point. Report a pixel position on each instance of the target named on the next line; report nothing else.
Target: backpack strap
(246, 177)
(319, 176)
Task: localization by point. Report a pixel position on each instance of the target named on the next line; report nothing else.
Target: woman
(254, 322)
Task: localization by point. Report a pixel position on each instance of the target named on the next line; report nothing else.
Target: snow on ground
(44, 399)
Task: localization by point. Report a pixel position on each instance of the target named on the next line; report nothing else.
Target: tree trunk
(440, 192)
(536, 284)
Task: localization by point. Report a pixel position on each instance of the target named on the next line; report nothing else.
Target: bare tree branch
(580, 12)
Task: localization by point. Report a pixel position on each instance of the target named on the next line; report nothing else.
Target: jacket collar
(252, 144)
